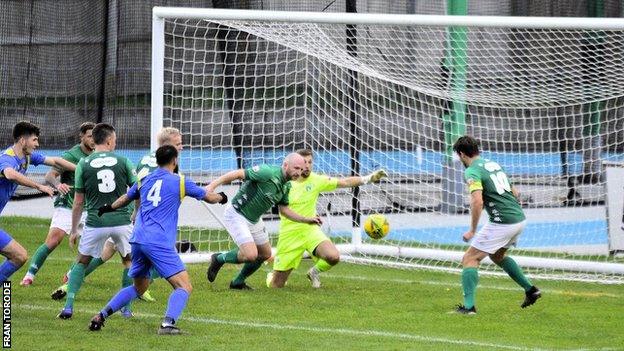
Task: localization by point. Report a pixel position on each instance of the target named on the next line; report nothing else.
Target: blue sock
(123, 297)
(7, 269)
(177, 302)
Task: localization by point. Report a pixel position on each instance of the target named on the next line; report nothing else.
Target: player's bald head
(293, 165)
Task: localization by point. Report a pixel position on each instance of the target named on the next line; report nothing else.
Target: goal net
(544, 96)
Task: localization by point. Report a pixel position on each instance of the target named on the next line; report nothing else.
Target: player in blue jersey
(14, 162)
(154, 237)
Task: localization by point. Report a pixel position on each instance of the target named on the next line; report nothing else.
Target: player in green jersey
(166, 136)
(101, 178)
(264, 186)
(488, 184)
(61, 219)
(296, 238)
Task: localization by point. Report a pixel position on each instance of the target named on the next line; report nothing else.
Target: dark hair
(304, 152)
(468, 145)
(101, 132)
(165, 154)
(24, 128)
(86, 126)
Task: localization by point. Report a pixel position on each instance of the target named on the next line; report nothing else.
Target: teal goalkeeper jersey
(498, 200)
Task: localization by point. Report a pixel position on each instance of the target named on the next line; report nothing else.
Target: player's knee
(19, 257)
(469, 261)
(333, 258)
(262, 257)
(249, 256)
(497, 258)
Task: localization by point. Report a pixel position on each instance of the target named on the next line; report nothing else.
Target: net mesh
(545, 104)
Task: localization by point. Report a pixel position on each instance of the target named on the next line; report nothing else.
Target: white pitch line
(343, 331)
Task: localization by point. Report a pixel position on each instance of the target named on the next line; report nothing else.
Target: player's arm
(51, 177)
(215, 198)
(476, 207)
(77, 208)
(132, 195)
(351, 182)
(294, 216)
(59, 163)
(15, 176)
(226, 179)
(515, 192)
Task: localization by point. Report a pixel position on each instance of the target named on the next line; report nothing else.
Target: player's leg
(509, 265)
(261, 239)
(120, 236)
(59, 227)
(470, 278)
(325, 252)
(91, 245)
(290, 249)
(238, 228)
(15, 255)
(139, 271)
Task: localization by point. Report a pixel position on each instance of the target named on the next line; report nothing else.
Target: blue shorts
(166, 261)
(5, 239)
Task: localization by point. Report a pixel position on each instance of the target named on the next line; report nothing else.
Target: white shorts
(93, 239)
(62, 219)
(243, 231)
(494, 236)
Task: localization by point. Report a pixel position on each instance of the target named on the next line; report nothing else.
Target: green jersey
(264, 186)
(302, 200)
(498, 200)
(73, 155)
(146, 165)
(103, 177)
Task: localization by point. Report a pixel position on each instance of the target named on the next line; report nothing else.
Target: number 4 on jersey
(154, 193)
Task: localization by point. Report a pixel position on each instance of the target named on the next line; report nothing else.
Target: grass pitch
(358, 308)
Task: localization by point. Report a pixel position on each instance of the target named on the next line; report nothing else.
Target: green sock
(229, 257)
(470, 279)
(76, 277)
(95, 263)
(126, 281)
(322, 265)
(38, 259)
(515, 272)
(248, 269)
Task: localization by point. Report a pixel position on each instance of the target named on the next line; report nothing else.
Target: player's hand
(105, 209)
(63, 188)
(315, 220)
(376, 176)
(224, 198)
(46, 189)
(73, 237)
(468, 235)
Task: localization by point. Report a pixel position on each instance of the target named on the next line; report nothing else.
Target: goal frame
(350, 251)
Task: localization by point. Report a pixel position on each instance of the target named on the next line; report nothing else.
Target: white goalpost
(545, 97)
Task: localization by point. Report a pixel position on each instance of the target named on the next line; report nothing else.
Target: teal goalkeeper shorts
(291, 246)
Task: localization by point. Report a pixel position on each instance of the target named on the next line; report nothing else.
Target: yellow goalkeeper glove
(374, 177)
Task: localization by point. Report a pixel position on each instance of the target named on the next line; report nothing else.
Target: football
(376, 226)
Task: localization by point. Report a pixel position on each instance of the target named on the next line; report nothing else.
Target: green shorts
(291, 246)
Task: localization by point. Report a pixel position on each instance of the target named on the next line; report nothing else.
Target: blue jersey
(8, 159)
(161, 193)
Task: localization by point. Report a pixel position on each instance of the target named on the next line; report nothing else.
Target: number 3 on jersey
(499, 178)
(107, 178)
(153, 194)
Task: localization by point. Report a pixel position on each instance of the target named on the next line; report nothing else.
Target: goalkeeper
(295, 238)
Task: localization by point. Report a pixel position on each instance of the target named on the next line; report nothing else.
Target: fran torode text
(6, 314)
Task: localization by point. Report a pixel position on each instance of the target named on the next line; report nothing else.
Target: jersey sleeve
(78, 182)
(133, 192)
(36, 159)
(6, 161)
(193, 190)
(284, 199)
(259, 173)
(132, 177)
(473, 179)
(326, 183)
